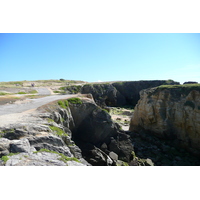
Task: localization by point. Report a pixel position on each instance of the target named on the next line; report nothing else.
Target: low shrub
(63, 104)
(21, 93)
(62, 156)
(3, 93)
(33, 92)
(75, 100)
(58, 131)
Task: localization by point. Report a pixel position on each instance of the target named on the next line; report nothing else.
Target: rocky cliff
(170, 112)
(71, 131)
(117, 93)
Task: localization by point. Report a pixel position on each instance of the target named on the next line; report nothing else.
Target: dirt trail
(19, 111)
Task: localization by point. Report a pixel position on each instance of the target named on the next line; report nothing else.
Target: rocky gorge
(80, 131)
(66, 132)
(119, 93)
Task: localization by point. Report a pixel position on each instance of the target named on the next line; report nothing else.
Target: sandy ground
(122, 117)
(24, 110)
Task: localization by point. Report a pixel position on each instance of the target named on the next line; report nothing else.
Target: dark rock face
(190, 82)
(120, 93)
(92, 124)
(104, 94)
(94, 127)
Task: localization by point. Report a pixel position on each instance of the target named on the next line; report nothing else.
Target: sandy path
(19, 111)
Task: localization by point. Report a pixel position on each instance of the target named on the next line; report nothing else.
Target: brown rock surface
(170, 112)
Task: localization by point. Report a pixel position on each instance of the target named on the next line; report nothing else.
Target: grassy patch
(180, 89)
(56, 91)
(50, 120)
(74, 89)
(105, 110)
(33, 92)
(6, 158)
(58, 131)
(3, 93)
(62, 88)
(21, 93)
(75, 100)
(63, 104)
(62, 156)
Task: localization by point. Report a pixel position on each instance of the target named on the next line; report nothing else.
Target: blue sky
(100, 56)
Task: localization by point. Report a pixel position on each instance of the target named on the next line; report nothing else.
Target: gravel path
(29, 104)
(43, 91)
(23, 111)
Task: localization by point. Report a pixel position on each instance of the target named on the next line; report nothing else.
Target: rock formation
(120, 93)
(66, 132)
(170, 112)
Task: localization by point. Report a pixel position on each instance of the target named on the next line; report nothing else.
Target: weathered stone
(149, 162)
(93, 124)
(4, 146)
(113, 155)
(22, 145)
(170, 113)
(39, 159)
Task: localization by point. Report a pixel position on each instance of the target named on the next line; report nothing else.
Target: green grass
(6, 158)
(3, 93)
(21, 93)
(63, 104)
(62, 88)
(56, 91)
(33, 92)
(185, 86)
(50, 120)
(75, 100)
(105, 110)
(183, 89)
(58, 131)
(62, 156)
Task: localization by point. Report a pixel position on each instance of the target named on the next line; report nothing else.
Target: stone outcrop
(66, 132)
(104, 94)
(120, 93)
(170, 112)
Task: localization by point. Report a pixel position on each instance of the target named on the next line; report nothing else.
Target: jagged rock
(122, 146)
(4, 146)
(170, 113)
(56, 117)
(104, 146)
(49, 139)
(22, 145)
(100, 158)
(87, 126)
(113, 155)
(120, 93)
(52, 143)
(67, 117)
(93, 124)
(39, 159)
(104, 94)
(149, 162)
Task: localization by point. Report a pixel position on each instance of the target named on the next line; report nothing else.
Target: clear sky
(100, 57)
